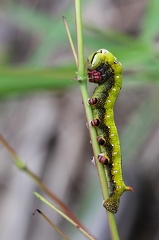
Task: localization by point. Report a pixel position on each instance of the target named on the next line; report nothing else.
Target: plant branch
(70, 40)
(64, 215)
(82, 78)
(21, 166)
(52, 224)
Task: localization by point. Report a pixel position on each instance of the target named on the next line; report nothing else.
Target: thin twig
(86, 233)
(52, 224)
(70, 40)
(20, 165)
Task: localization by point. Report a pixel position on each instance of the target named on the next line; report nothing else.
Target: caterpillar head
(96, 58)
(102, 66)
(99, 57)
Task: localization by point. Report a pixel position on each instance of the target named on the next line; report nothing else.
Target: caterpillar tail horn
(112, 203)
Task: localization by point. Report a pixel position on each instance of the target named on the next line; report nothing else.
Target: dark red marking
(92, 101)
(95, 122)
(94, 76)
(101, 140)
(103, 159)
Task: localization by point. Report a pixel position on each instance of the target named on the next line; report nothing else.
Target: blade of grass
(21, 166)
(150, 26)
(64, 215)
(52, 224)
(70, 40)
(28, 19)
(25, 79)
(50, 30)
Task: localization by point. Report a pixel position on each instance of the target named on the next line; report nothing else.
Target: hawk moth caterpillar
(105, 70)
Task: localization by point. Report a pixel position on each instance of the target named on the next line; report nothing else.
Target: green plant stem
(52, 224)
(82, 78)
(70, 40)
(64, 215)
(21, 166)
(80, 44)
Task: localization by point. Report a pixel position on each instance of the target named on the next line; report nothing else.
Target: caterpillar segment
(105, 70)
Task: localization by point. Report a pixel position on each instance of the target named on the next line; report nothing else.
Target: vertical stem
(82, 78)
(80, 46)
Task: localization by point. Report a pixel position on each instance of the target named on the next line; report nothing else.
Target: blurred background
(42, 116)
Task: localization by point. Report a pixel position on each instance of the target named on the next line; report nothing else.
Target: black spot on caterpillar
(106, 71)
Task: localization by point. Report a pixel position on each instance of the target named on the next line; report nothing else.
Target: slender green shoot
(82, 78)
(70, 40)
(52, 224)
(21, 166)
(86, 233)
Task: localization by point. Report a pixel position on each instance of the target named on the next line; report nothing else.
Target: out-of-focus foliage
(138, 54)
(47, 64)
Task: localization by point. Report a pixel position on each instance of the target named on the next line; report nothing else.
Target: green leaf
(25, 79)
(150, 23)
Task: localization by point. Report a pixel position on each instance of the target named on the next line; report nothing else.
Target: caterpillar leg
(101, 140)
(94, 76)
(92, 101)
(104, 159)
(95, 122)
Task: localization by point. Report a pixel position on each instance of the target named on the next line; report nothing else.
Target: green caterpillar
(106, 71)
